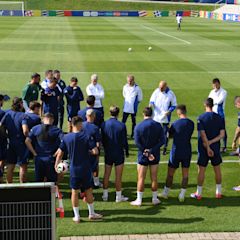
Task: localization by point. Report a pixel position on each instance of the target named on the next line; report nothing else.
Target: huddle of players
(48, 144)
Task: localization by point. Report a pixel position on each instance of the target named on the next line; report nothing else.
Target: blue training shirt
(31, 120)
(92, 131)
(181, 131)
(98, 119)
(78, 145)
(212, 124)
(149, 134)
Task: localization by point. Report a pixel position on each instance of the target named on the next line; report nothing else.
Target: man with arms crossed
(149, 137)
(211, 130)
(132, 94)
(219, 96)
(164, 102)
(114, 139)
(181, 131)
(78, 146)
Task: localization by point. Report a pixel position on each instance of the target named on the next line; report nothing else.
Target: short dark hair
(48, 115)
(114, 111)
(147, 112)
(1, 97)
(76, 120)
(53, 80)
(74, 79)
(182, 108)
(35, 75)
(16, 104)
(48, 71)
(34, 104)
(216, 80)
(91, 100)
(56, 71)
(209, 102)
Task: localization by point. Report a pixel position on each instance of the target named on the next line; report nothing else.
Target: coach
(163, 101)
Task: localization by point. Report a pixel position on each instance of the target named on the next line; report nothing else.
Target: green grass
(83, 46)
(107, 5)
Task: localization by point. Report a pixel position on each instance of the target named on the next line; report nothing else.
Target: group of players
(23, 135)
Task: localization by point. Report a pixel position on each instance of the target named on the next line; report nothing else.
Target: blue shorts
(110, 160)
(44, 168)
(17, 153)
(84, 181)
(142, 160)
(174, 161)
(3, 151)
(203, 159)
(94, 163)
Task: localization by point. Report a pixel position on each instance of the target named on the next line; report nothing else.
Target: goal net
(10, 7)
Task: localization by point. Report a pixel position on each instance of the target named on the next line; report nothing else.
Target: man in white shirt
(132, 94)
(95, 89)
(48, 77)
(219, 96)
(163, 101)
(179, 20)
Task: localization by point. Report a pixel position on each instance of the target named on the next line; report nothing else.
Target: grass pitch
(187, 60)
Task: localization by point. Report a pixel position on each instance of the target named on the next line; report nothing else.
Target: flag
(29, 13)
(157, 14)
(60, 13)
(44, 13)
(142, 13)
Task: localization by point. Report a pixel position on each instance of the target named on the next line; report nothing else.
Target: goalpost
(9, 5)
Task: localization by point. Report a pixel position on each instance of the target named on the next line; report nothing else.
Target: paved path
(173, 236)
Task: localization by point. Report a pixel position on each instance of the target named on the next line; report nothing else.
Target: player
(211, 130)
(114, 139)
(164, 102)
(48, 77)
(95, 89)
(17, 152)
(50, 97)
(90, 105)
(79, 146)
(31, 91)
(219, 96)
(61, 86)
(237, 134)
(181, 131)
(73, 95)
(149, 137)
(179, 21)
(93, 131)
(43, 142)
(132, 94)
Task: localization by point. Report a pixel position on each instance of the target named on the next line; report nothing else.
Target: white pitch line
(165, 34)
(165, 162)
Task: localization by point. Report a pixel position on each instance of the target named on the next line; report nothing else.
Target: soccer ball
(130, 49)
(62, 167)
(150, 49)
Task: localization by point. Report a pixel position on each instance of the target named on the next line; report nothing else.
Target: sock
(96, 181)
(154, 195)
(166, 190)
(118, 194)
(105, 193)
(76, 212)
(182, 193)
(91, 209)
(199, 190)
(218, 188)
(139, 196)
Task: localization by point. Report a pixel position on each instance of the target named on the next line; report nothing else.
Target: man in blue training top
(93, 131)
(48, 78)
(181, 131)
(50, 97)
(114, 139)
(211, 129)
(74, 96)
(17, 152)
(79, 147)
(43, 142)
(149, 137)
(90, 105)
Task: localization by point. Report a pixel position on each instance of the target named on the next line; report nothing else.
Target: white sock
(118, 194)
(96, 181)
(76, 212)
(218, 188)
(166, 190)
(105, 193)
(199, 190)
(139, 196)
(182, 192)
(154, 195)
(90, 208)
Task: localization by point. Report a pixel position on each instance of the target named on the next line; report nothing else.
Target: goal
(12, 6)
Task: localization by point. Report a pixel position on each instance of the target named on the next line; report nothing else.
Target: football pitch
(188, 60)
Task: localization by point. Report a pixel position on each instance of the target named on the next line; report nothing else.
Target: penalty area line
(165, 34)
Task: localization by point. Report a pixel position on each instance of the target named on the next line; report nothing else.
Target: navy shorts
(3, 150)
(111, 160)
(94, 163)
(203, 159)
(145, 162)
(84, 181)
(174, 161)
(45, 168)
(17, 154)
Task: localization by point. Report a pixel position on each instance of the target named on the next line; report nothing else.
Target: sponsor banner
(15, 13)
(231, 17)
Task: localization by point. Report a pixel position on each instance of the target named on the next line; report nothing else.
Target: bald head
(163, 86)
